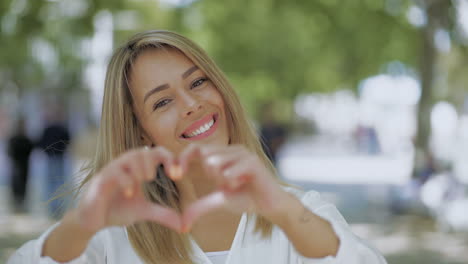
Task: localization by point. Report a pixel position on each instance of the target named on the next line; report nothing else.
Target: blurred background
(365, 101)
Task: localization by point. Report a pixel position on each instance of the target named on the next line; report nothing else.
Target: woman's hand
(115, 196)
(244, 183)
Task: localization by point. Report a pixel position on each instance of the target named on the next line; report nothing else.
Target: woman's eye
(161, 104)
(198, 82)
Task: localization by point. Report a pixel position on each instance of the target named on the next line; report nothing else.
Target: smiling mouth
(201, 130)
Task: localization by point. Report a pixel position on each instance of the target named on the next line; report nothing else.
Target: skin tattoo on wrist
(306, 215)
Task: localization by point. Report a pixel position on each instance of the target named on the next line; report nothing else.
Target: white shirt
(218, 257)
(111, 245)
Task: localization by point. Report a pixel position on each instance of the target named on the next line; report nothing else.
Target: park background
(372, 96)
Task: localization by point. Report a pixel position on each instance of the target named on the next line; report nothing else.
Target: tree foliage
(278, 49)
(41, 41)
(270, 49)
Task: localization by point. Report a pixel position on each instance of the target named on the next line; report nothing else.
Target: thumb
(200, 207)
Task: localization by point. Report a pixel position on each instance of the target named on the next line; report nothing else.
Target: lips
(198, 124)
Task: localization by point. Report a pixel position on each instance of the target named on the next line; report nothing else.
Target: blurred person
(19, 150)
(179, 176)
(54, 141)
(408, 198)
(428, 169)
(367, 139)
(272, 133)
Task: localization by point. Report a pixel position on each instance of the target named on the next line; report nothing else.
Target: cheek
(218, 100)
(214, 96)
(163, 130)
(221, 105)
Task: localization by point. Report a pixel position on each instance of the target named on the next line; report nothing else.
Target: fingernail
(243, 179)
(186, 229)
(128, 192)
(175, 172)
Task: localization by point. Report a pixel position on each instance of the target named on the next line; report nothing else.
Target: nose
(190, 103)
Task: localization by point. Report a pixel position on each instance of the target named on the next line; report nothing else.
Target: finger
(136, 165)
(115, 179)
(201, 207)
(160, 214)
(127, 184)
(99, 195)
(213, 158)
(126, 163)
(174, 172)
(195, 151)
(161, 155)
(238, 175)
(216, 163)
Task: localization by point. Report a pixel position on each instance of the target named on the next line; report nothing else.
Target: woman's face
(175, 101)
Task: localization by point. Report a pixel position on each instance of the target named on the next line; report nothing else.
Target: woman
(214, 198)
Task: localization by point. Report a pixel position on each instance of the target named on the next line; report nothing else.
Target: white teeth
(202, 129)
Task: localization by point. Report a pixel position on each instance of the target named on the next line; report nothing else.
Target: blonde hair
(120, 131)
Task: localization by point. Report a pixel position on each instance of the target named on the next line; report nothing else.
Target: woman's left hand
(244, 183)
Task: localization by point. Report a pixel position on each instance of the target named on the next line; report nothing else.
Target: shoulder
(110, 242)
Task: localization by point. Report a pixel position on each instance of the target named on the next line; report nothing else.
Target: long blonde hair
(120, 131)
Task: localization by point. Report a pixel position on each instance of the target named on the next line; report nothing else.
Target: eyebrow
(166, 86)
(189, 71)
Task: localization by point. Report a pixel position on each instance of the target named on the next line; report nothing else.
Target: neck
(215, 230)
(195, 185)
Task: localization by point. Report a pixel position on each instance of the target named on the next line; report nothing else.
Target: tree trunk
(436, 12)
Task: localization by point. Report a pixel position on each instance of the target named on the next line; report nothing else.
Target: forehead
(161, 53)
(154, 67)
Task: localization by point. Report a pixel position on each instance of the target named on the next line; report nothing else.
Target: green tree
(278, 49)
(272, 50)
(41, 42)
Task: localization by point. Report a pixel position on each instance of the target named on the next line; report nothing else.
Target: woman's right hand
(115, 197)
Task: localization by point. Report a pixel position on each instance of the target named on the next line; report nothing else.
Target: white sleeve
(30, 253)
(352, 249)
